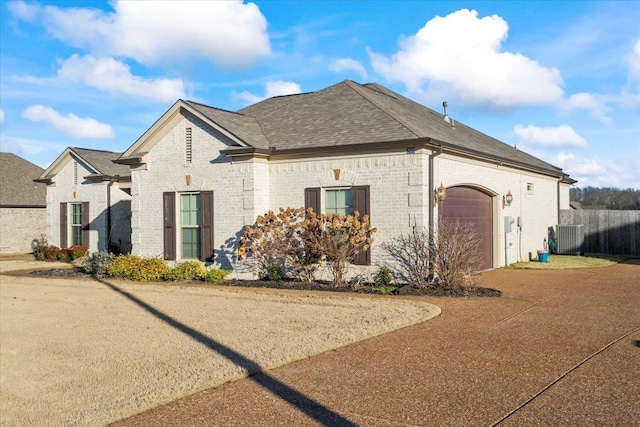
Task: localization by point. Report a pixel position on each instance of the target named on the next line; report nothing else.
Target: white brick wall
(19, 227)
(65, 190)
(398, 189)
(538, 209)
(239, 189)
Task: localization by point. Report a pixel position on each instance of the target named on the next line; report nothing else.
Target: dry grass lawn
(79, 352)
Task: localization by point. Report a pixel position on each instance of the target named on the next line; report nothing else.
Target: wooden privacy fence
(607, 232)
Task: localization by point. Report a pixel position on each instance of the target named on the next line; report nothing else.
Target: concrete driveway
(559, 348)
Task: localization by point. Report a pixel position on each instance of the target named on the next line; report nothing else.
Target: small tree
(455, 254)
(448, 260)
(409, 256)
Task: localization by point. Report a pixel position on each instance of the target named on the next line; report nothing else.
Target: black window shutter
(206, 226)
(63, 225)
(312, 199)
(362, 205)
(84, 215)
(169, 214)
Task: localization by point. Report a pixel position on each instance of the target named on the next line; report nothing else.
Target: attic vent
(75, 173)
(188, 147)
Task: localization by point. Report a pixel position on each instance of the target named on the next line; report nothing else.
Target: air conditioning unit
(570, 239)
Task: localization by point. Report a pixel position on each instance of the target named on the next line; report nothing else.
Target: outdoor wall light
(507, 199)
(440, 194)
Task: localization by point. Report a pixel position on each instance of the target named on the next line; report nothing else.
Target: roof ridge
(361, 90)
(95, 150)
(213, 108)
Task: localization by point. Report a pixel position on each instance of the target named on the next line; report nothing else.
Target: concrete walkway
(558, 348)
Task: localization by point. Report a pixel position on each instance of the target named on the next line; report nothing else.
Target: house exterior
(88, 201)
(199, 174)
(22, 204)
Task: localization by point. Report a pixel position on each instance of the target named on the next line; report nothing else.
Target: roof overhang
(95, 178)
(133, 156)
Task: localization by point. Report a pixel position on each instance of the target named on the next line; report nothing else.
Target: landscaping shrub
(98, 263)
(447, 260)
(40, 247)
(50, 253)
(137, 268)
(215, 275)
(274, 272)
(64, 255)
(187, 270)
(383, 277)
(300, 240)
(78, 251)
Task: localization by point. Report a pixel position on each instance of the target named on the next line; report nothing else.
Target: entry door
(471, 206)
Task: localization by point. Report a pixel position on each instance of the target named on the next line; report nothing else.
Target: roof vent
(446, 116)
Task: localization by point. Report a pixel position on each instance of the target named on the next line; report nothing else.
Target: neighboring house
(200, 174)
(22, 204)
(88, 201)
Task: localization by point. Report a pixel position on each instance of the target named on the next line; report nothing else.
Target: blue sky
(560, 80)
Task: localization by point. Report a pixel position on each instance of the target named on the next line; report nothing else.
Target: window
(188, 146)
(339, 201)
(530, 187)
(76, 223)
(190, 223)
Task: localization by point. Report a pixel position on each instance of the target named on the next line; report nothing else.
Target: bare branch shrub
(455, 254)
(448, 260)
(340, 238)
(409, 255)
(299, 240)
(281, 240)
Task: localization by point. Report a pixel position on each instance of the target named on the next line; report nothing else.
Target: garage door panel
(471, 206)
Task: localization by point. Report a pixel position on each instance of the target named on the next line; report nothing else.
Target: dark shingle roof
(16, 182)
(101, 161)
(350, 114)
(244, 127)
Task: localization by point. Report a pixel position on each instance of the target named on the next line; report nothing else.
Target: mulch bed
(78, 272)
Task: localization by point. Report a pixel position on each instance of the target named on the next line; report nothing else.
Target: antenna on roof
(446, 116)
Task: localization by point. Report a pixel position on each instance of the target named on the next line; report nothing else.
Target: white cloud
(348, 64)
(70, 124)
(115, 77)
(24, 11)
(272, 88)
(560, 136)
(631, 93)
(229, 33)
(601, 172)
(586, 101)
(1, 116)
(460, 56)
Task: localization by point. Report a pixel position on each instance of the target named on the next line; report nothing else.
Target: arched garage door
(472, 206)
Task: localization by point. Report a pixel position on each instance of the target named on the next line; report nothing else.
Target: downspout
(431, 188)
(111, 181)
(432, 201)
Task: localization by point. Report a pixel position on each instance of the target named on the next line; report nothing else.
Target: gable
(135, 154)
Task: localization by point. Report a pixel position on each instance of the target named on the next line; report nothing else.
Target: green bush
(274, 272)
(187, 270)
(383, 277)
(215, 275)
(98, 263)
(78, 251)
(137, 268)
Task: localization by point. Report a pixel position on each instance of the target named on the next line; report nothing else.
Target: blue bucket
(543, 256)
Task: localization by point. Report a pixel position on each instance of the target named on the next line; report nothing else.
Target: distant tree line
(611, 198)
